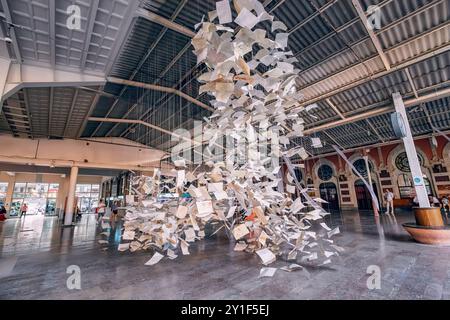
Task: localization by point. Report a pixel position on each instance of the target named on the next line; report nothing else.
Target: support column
(9, 193)
(411, 153)
(369, 176)
(68, 217)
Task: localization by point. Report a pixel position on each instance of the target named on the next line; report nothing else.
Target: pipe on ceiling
(161, 89)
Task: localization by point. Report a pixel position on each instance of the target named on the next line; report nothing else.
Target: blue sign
(418, 181)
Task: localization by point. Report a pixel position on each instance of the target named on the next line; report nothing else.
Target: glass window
(3, 189)
(325, 172)
(402, 164)
(88, 196)
(20, 187)
(40, 198)
(360, 166)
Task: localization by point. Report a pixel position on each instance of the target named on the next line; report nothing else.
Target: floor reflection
(36, 251)
(39, 233)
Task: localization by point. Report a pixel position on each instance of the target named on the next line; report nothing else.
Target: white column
(369, 176)
(71, 196)
(9, 193)
(411, 153)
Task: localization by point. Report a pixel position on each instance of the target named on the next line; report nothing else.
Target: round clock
(398, 124)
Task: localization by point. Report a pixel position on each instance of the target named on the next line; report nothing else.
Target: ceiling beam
(332, 139)
(27, 110)
(411, 82)
(375, 112)
(390, 142)
(147, 14)
(374, 130)
(124, 31)
(335, 109)
(373, 37)
(88, 114)
(40, 76)
(138, 68)
(50, 110)
(161, 89)
(52, 33)
(69, 116)
(11, 30)
(312, 16)
(89, 30)
(369, 77)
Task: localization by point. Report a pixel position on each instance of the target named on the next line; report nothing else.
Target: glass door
(3, 190)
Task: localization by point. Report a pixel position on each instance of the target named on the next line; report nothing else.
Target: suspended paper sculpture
(252, 81)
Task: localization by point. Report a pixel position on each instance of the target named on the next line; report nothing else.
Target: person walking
(115, 210)
(445, 205)
(23, 210)
(2, 213)
(434, 202)
(101, 209)
(389, 198)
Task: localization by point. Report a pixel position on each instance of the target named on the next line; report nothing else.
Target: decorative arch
(321, 162)
(357, 156)
(401, 179)
(398, 150)
(446, 152)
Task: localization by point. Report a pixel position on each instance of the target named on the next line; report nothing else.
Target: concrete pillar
(9, 193)
(369, 176)
(71, 197)
(410, 149)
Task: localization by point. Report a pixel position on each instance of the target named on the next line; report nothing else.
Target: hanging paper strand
(369, 187)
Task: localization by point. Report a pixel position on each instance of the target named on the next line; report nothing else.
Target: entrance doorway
(328, 192)
(39, 197)
(363, 195)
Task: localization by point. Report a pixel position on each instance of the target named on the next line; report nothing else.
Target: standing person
(434, 202)
(100, 210)
(389, 197)
(445, 206)
(23, 210)
(115, 210)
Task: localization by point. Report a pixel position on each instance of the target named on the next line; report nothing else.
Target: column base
(429, 227)
(428, 217)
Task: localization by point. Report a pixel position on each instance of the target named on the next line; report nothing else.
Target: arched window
(360, 166)
(402, 164)
(325, 172)
(406, 186)
(298, 174)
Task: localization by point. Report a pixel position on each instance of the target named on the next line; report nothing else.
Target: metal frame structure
(132, 65)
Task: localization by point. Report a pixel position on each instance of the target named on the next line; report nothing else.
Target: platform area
(36, 252)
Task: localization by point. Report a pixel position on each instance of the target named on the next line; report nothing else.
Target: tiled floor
(35, 253)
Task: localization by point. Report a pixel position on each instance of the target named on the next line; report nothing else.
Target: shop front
(40, 198)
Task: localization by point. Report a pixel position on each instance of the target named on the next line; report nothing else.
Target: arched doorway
(328, 192)
(404, 178)
(363, 195)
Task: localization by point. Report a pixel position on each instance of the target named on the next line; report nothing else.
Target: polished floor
(35, 253)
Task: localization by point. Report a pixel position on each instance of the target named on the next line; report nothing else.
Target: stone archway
(353, 178)
(324, 175)
(401, 177)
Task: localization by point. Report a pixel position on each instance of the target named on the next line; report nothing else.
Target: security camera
(8, 40)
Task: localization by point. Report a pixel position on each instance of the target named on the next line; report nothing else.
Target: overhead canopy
(348, 70)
